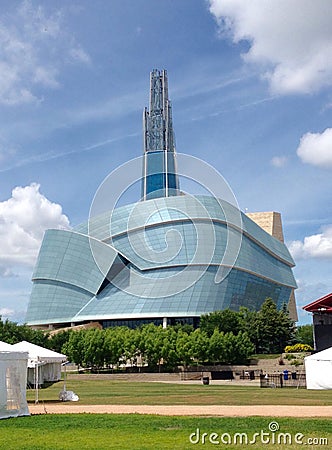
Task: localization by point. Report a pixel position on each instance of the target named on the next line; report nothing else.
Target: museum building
(168, 258)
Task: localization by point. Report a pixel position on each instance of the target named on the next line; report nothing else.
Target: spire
(159, 168)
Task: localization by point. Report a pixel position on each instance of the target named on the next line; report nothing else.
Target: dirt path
(186, 410)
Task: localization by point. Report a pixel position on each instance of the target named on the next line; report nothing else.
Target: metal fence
(285, 379)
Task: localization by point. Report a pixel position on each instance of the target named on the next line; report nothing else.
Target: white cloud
(279, 161)
(34, 46)
(78, 54)
(6, 312)
(5, 272)
(314, 246)
(290, 39)
(23, 219)
(316, 148)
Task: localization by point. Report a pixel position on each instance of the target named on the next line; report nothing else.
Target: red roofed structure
(322, 320)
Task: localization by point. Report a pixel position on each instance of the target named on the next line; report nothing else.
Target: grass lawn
(103, 431)
(266, 356)
(99, 392)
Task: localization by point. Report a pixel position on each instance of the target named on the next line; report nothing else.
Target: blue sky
(250, 84)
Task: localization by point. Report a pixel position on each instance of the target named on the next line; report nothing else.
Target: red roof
(322, 304)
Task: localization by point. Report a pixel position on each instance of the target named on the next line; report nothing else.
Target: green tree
(249, 324)
(199, 341)
(229, 348)
(74, 348)
(238, 348)
(114, 345)
(274, 328)
(93, 347)
(57, 340)
(226, 321)
(12, 333)
(304, 335)
(151, 344)
(171, 358)
(216, 349)
(184, 348)
(131, 350)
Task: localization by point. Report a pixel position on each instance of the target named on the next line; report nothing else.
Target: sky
(251, 89)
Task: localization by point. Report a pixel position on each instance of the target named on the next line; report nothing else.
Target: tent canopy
(4, 347)
(324, 355)
(39, 354)
(318, 369)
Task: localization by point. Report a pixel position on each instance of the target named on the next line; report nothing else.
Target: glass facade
(145, 262)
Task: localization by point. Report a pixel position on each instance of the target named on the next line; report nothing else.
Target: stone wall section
(271, 223)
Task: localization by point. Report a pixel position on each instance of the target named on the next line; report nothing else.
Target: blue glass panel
(263, 267)
(155, 173)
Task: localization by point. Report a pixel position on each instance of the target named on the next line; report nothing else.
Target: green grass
(99, 392)
(89, 431)
(266, 356)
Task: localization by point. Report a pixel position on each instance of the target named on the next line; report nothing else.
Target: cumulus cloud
(279, 161)
(23, 219)
(34, 46)
(314, 246)
(290, 39)
(316, 148)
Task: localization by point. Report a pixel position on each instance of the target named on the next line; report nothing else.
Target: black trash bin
(294, 375)
(206, 380)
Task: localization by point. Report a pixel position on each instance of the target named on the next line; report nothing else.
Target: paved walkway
(186, 410)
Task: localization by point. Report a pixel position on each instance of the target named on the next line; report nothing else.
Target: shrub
(296, 362)
(298, 348)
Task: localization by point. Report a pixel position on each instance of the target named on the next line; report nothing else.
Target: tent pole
(37, 381)
(65, 378)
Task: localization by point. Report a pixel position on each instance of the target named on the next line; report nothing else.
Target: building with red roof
(322, 321)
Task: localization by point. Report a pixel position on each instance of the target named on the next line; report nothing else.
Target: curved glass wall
(80, 278)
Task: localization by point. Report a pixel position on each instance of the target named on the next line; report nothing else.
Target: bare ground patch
(186, 410)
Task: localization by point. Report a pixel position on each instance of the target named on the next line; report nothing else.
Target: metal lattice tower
(160, 178)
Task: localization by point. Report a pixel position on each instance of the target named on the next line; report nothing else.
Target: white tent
(13, 380)
(43, 364)
(318, 369)
(4, 347)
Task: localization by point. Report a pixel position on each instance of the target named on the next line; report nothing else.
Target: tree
(184, 349)
(74, 347)
(274, 328)
(199, 341)
(12, 333)
(229, 348)
(151, 344)
(114, 345)
(249, 324)
(226, 321)
(93, 348)
(238, 348)
(216, 347)
(304, 335)
(170, 355)
(57, 340)
(131, 345)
